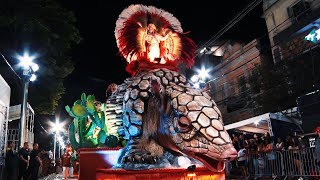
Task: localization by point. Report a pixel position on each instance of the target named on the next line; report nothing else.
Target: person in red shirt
(66, 163)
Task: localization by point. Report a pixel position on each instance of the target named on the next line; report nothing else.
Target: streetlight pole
(54, 146)
(23, 110)
(57, 127)
(28, 75)
(59, 150)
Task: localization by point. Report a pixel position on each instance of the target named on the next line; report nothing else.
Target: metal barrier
(288, 163)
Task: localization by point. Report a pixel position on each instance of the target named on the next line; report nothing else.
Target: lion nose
(230, 152)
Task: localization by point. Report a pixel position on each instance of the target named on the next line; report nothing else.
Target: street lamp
(203, 73)
(195, 80)
(61, 143)
(29, 68)
(199, 79)
(56, 128)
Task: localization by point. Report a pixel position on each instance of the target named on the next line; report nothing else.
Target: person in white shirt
(279, 145)
(242, 160)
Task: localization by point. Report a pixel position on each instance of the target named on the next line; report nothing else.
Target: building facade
(4, 115)
(14, 125)
(228, 86)
(294, 33)
(289, 22)
(14, 99)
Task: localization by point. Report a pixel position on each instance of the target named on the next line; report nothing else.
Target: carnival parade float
(155, 124)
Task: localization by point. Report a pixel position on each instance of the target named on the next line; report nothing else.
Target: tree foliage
(270, 87)
(43, 27)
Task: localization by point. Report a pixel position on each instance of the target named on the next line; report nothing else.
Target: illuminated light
(218, 52)
(313, 36)
(191, 175)
(26, 60)
(184, 162)
(168, 173)
(109, 156)
(33, 77)
(318, 34)
(196, 85)
(194, 78)
(214, 48)
(35, 67)
(60, 139)
(202, 50)
(256, 123)
(152, 55)
(56, 126)
(203, 73)
(310, 37)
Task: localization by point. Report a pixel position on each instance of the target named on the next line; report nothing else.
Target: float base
(159, 174)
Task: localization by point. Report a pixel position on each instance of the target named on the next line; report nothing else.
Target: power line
(282, 23)
(267, 34)
(249, 62)
(267, 48)
(208, 42)
(42, 127)
(222, 100)
(236, 19)
(20, 79)
(5, 60)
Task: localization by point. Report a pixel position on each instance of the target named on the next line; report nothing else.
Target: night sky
(96, 22)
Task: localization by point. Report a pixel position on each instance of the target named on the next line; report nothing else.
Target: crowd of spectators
(257, 153)
(28, 163)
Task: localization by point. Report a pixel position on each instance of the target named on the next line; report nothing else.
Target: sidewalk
(57, 177)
